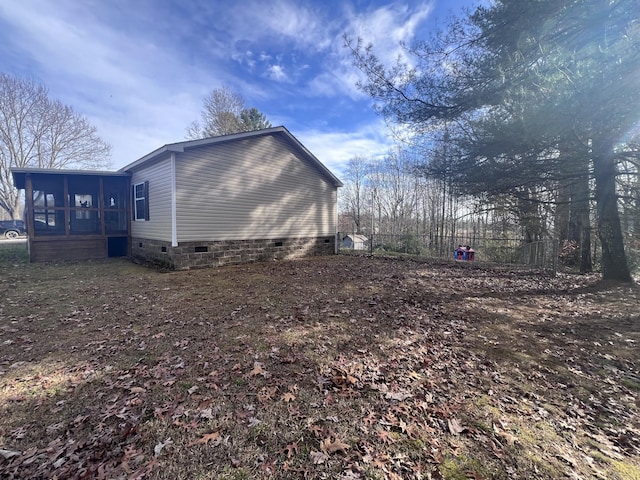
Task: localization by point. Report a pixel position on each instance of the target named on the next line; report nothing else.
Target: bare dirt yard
(326, 368)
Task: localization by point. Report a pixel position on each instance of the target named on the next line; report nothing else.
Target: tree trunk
(563, 209)
(580, 219)
(580, 224)
(614, 260)
(529, 216)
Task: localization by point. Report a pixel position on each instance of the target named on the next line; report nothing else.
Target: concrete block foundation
(189, 255)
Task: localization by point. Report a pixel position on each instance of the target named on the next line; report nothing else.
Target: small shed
(355, 242)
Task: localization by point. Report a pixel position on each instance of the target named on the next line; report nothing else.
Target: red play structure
(464, 253)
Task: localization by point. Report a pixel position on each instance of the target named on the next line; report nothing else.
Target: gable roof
(356, 238)
(282, 131)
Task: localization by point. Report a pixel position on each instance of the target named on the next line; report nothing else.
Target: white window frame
(137, 215)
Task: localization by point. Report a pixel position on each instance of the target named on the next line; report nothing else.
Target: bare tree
(353, 193)
(224, 112)
(394, 182)
(38, 132)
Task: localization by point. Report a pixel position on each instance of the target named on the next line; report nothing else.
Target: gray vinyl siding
(257, 188)
(158, 227)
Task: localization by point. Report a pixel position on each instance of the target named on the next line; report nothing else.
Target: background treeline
(522, 120)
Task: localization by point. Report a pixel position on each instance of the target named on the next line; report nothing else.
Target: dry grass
(337, 367)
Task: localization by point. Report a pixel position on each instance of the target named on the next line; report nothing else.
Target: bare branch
(36, 131)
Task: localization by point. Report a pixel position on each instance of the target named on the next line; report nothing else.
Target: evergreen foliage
(534, 100)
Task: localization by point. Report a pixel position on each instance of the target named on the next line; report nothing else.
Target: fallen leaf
(258, 369)
(206, 413)
(160, 445)
(399, 396)
(454, 426)
(385, 436)
(193, 389)
(510, 439)
(334, 446)
(318, 457)
(288, 397)
(291, 449)
(206, 438)
(269, 466)
(7, 454)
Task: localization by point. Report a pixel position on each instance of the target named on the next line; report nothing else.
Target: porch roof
(20, 174)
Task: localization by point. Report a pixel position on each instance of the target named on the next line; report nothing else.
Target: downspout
(174, 221)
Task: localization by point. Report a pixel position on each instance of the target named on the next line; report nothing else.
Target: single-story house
(230, 199)
(355, 242)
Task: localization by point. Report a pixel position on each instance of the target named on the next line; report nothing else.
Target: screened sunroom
(72, 215)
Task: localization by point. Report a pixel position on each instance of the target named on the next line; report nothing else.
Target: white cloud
(139, 95)
(74, 41)
(308, 29)
(342, 80)
(388, 27)
(335, 148)
(147, 125)
(277, 73)
(139, 71)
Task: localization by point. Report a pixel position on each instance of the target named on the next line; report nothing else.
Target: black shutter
(146, 200)
(133, 203)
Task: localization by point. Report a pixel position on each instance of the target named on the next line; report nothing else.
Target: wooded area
(520, 121)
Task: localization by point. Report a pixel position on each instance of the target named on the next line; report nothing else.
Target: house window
(141, 201)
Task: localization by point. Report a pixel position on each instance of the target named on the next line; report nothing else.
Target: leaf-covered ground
(336, 367)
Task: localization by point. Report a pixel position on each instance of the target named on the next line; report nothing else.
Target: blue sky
(139, 69)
